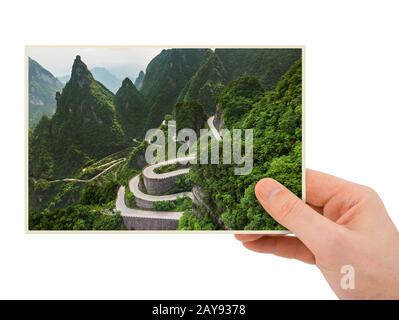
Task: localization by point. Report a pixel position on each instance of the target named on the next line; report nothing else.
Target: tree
(190, 114)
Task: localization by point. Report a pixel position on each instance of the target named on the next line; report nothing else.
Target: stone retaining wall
(142, 203)
(141, 223)
(157, 186)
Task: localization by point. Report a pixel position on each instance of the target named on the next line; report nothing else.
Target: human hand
(342, 224)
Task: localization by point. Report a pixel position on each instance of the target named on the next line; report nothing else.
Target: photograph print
(134, 138)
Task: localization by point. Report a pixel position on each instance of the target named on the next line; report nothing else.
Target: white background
(352, 119)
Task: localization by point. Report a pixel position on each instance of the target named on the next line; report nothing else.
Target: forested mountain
(42, 88)
(102, 75)
(206, 83)
(165, 77)
(267, 65)
(129, 104)
(199, 74)
(139, 80)
(84, 126)
(275, 117)
(224, 65)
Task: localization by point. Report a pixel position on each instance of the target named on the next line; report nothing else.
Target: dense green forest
(276, 120)
(190, 114)
(92, 145)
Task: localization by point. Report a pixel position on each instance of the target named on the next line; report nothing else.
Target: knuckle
(369, 193)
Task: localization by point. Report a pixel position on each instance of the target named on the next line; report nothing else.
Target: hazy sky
(121, 61)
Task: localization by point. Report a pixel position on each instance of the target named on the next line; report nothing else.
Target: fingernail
(267, 189)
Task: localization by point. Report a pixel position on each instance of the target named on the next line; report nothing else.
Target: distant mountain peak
(42, 88)
(139, 80)
(129, 106)
(81, 75)
(127, 82)
(100, 74)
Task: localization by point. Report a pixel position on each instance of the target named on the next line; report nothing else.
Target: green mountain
(275, 117)
(42, 88)
(103, 75)
(84, 126)
(206, 83)
(165, 77)
(268, 65)
(129, 105)
(224, 65)
(139, 80)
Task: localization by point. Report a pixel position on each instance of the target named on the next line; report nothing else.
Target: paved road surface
(213, 129)
(114, 163)
(134, 188)
(138, 213)
(149, 172)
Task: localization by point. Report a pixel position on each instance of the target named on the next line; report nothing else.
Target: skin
(342, 223)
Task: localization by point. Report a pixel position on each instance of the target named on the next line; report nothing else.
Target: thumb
(290, 211)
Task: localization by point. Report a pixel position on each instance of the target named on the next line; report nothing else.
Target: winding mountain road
(112, 164)
(133, 212)
(140, 219)
(151, 199)
(215, 132)
(151, 174)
